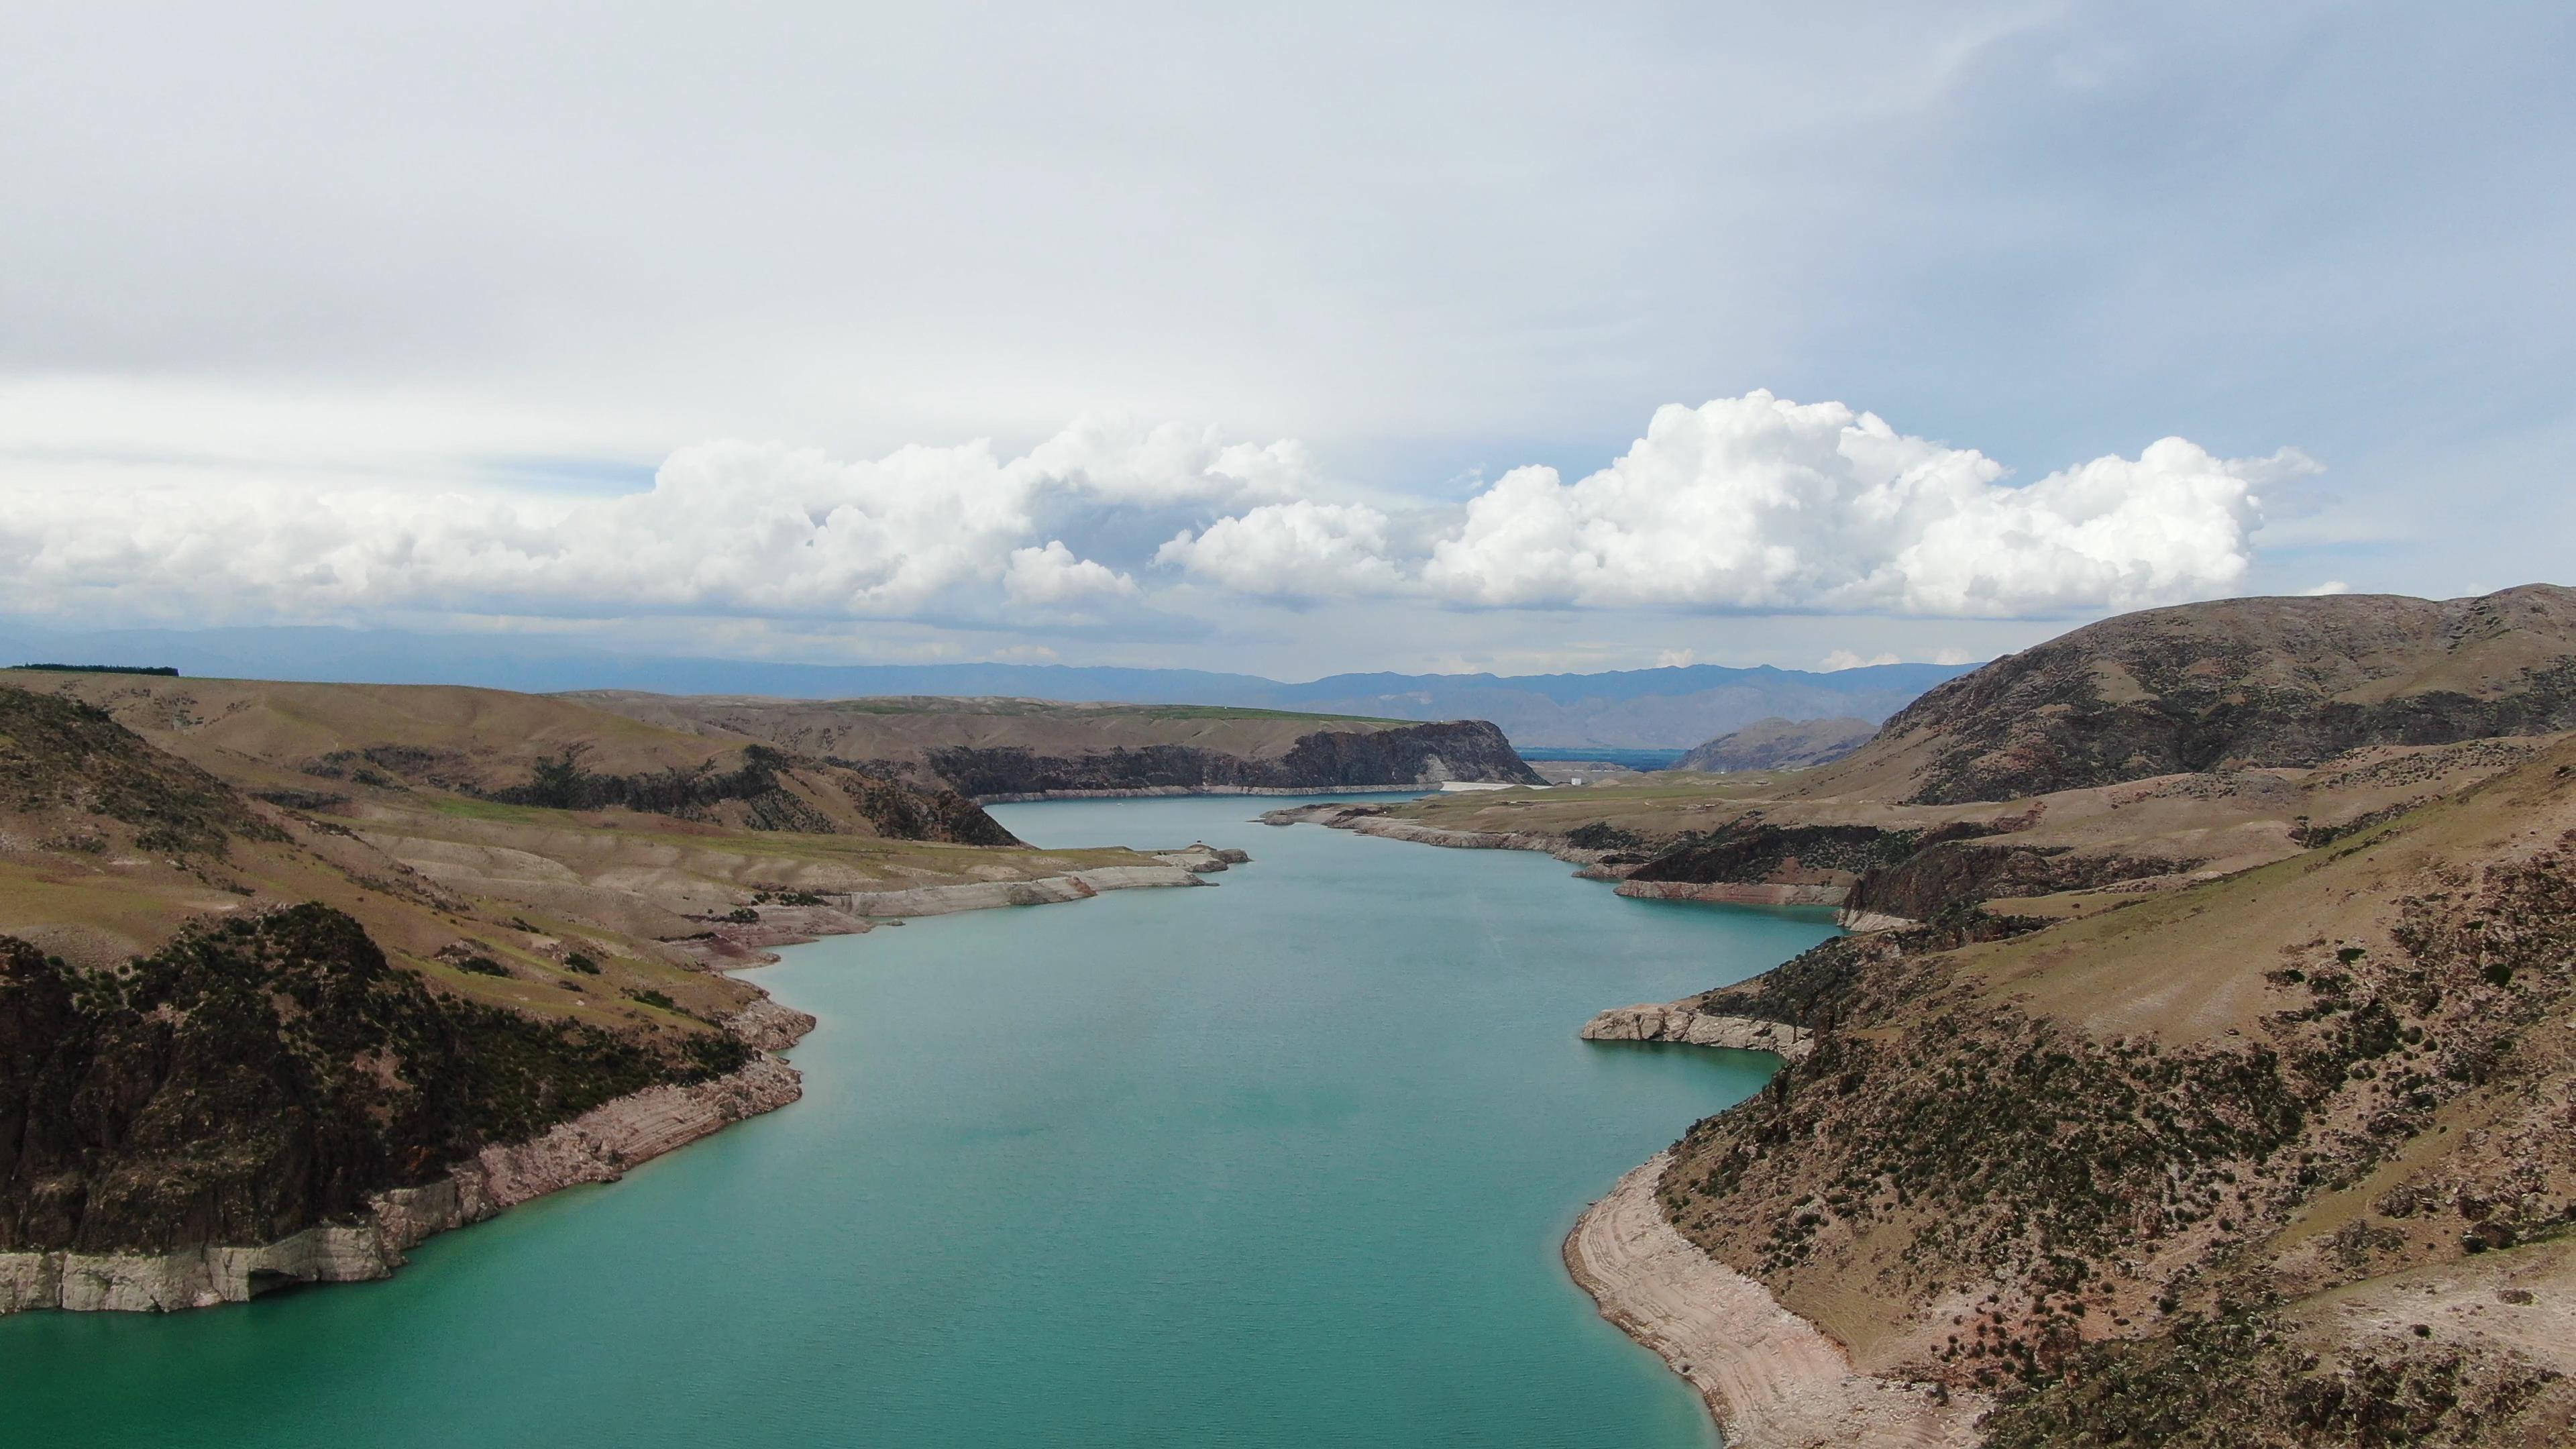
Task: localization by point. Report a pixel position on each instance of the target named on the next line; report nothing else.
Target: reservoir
(1276, 1165)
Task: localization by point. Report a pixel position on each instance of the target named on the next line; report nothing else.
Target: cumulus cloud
(1303, 549)
(1760, 503)
(727, 527)
(1053, 576)
(1842, 659)
(1746, 504)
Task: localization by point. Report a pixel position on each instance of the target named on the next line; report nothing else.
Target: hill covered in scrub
(267, 1074)
(2212, 1029)
(2304, 1129)
(998, 748)
(2236, 684)
(292, 976)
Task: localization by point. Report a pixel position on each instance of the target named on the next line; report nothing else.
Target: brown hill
(2302, 1128)
(1779, 744)
(2228, 685)
(314, 743)
(998, 748)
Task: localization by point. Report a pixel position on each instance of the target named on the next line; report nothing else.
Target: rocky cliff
(1323, 759)
(268, 1075)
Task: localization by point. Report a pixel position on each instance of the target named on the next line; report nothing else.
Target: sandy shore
(1771, 1380)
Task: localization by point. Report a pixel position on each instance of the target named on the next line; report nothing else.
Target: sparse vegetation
(259, 1076)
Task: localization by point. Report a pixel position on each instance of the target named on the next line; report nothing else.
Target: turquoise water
(1284, 1163)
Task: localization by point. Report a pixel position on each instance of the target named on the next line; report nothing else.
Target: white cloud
(1953, 656)
(1842, 659)
(1751, 503)
(1053, 576)
(1303, 549)
(1758, 503)
(1676, 658)
(2330, 586)
(727, 527)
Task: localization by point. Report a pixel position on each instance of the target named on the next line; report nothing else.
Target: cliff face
(261, 1077)
(1321, 760)
(2255, 682)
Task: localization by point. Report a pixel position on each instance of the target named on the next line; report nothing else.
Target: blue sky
(1234, 339)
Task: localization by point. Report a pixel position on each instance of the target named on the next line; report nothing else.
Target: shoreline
(1363, 820)
(600, 1145)
(1660, 1022)
(1769, 1378)
(1174, 792)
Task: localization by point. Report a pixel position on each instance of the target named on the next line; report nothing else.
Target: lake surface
(1283, 1163)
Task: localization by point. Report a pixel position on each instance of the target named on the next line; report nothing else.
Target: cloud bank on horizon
(1748, 504)
(383, 315)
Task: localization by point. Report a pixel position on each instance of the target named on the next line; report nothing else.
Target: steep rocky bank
(268, 1102)
(1322, 760)
(601, 1145)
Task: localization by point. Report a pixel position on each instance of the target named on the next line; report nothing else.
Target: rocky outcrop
(983, 895)
(1769, 1377)
(1751, 850)
(598, 1146)
(1373, 820)
(1326, 759)
(1919, 885)
(1727, 894)
(1679, 1022)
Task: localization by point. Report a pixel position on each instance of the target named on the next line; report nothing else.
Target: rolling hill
(2241, 683)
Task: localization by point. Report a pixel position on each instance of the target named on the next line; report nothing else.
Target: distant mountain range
(1633, 709)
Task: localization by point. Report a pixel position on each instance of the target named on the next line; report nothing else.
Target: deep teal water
(1284, 1163)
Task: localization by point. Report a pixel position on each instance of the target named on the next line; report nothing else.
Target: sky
(1283, 339)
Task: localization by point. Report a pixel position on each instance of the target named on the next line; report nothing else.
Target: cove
(1283, 1163)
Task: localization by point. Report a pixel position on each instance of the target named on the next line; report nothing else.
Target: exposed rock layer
(1679, 1022)
(598, 1146)
(1325, 759)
